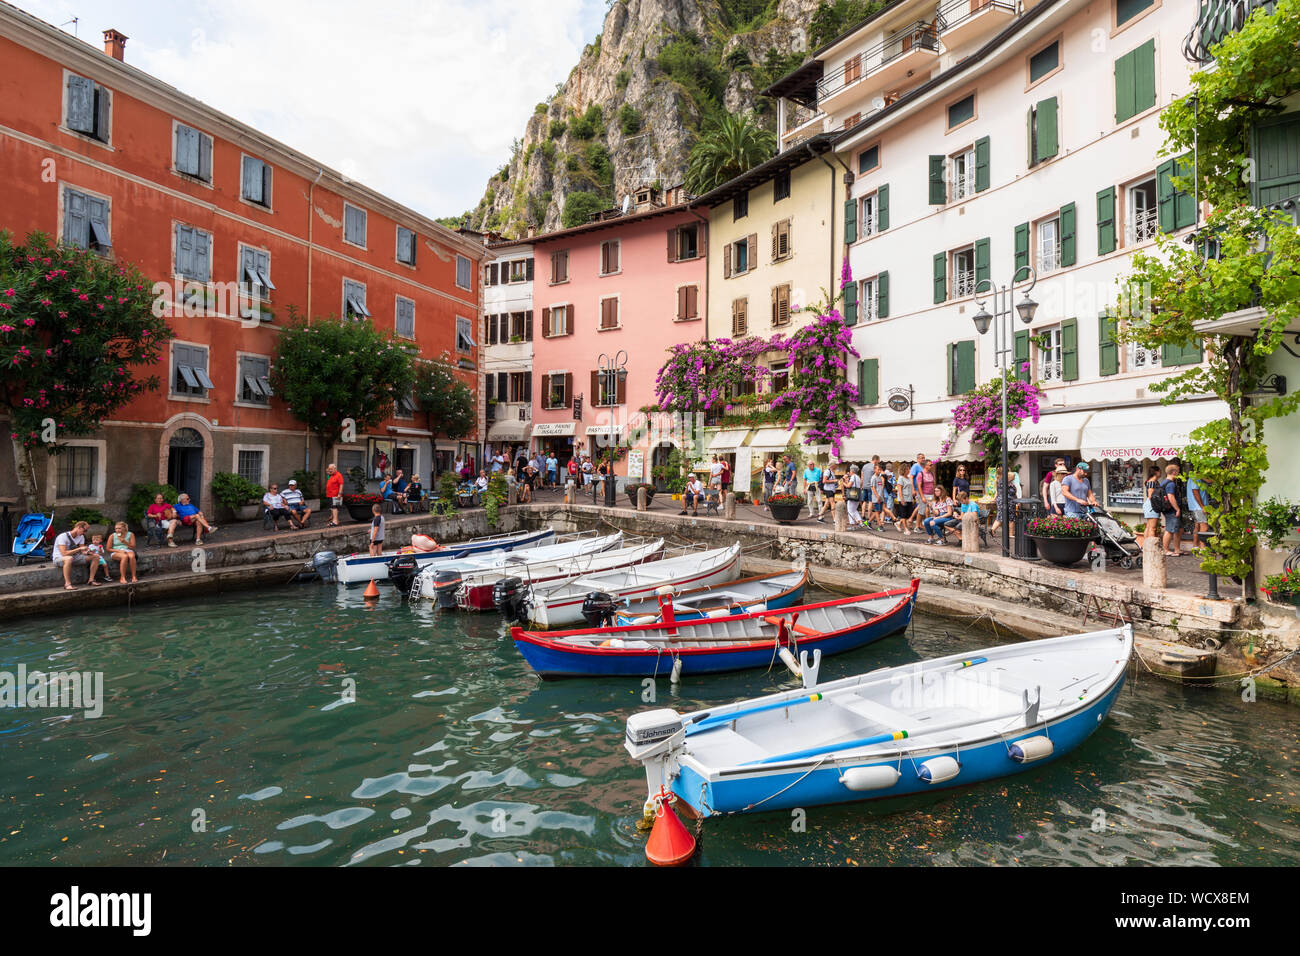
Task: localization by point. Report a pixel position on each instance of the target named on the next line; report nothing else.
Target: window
(1135, 82)
(739, 316)
(464, 334)
(560, 266)
(517, 327)
(404, 320)
(1049, 245)
(192, 253)
(961, 111)
(1140, 358)
(405, 246)
(190, 370)
(464, 273)
(1048, 355)
(869, 159)
(556, 389)
(255, 380)
(85, 220)
(963, 174)
(88, 108)
(867, 220)
(684, 243)
(780, 378)
(354, 300)
(963, 272)
(521, 270)
(740, 207)
(781, 186)
(521, 387)
(354, 225)
(78, 470)
(1042, 131)
(781, 240)
(193, 153)
(739, 257)
(867, 300)
(559, 320)
(852, 121)
(853, 69)
(255, 278)
(781, 305)
(609, 253)
(609, 313)
(405, 406)
(1126, 10)
(255, 184)
(1143, 214)
(688, 302)
(1045, 61)
(609, 388)
(249, 464)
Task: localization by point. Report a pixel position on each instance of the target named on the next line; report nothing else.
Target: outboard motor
(325, 564)
(446, 585)
(510, 595)
(402, 571)
(599, 608)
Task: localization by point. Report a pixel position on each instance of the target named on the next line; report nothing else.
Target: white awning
(1059, 432)
(508, 431)
(728, 441)
(554, 429)
(1146, 431)
(772, 439)
(895, 442)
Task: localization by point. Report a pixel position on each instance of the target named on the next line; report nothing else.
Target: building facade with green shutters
(1029, 138)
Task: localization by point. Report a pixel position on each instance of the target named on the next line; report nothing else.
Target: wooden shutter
(965, 366)
(490, 387)
(681, 302)
(184, 250)
(595, 387)
(1107, 347)
(1276, 151)
(739, 316)
(568, 390)
(1184, 201)
(568, 320)
(492, 273)
(983, 270)
(205, 158)
(1021, 353)
(1068, 243)
(613, 255)
(97, 212)
(981, 164)
(1165, 196)
(1047, 129)
(672, 244)
(952, 368)
(101, 113)
(1106, 221)
(1181, 354)
(199, 256)
(1144, 76)
(81, 104)
(528, 326)
(528, 269)
(604, 258)
(851, 304)
(850, 220)
(252, 180)
(1125, 89)
(546, 390)
(940, 277)
(726, 261)
(1022, 246)
(692, 301)
(869, 381)
(266, 191)
(751, 252)
(882, 208)
(882, 295)
(938, 187)
(187, 149)
(1070, 350)
(620, 390)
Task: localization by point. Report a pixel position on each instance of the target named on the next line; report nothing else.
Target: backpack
(1159, 501)
(889, 484)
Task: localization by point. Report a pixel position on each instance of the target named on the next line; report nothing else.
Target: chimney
(115, 44)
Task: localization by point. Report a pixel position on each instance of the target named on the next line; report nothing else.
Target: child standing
(377, 530)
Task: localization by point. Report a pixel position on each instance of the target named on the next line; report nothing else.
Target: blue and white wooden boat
(715, 644)
(359, 568)
(898, 731)
(762, 592)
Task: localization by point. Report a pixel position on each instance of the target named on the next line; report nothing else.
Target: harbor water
(301, 726)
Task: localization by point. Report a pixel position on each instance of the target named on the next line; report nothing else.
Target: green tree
(835, 17)
(330, 371)
(1243, 257)
(728, 148)
(75, 328)
(579, 208)
(449, 405)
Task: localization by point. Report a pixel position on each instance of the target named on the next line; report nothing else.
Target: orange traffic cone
(372, 590)
(670, 843)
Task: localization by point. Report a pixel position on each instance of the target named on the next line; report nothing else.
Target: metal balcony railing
(955, 12)
(1217, 19)
(963, 185)
(1049, 256)
(1144, 225)
(918, 36)
(963, 283)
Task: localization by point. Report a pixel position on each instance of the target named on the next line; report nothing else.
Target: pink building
(626, 287)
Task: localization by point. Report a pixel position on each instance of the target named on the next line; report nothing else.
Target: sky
(418, 99)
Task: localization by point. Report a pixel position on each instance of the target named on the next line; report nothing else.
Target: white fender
(870, 778)
(1030, 749)
(938, 769)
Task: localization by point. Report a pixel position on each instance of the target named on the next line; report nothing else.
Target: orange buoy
(372, 590)
(670, 843)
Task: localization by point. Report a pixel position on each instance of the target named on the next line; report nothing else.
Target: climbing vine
(981, 413)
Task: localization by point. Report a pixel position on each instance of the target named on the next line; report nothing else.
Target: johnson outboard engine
(510, 595)
(446, 586)
(325, 564)
(598, 608)
(402, 571)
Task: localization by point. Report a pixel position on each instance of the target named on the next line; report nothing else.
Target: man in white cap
(296, 506)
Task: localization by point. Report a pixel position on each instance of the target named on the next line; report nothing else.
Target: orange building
(236, 228)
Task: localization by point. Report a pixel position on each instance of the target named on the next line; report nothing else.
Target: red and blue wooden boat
(713, 645)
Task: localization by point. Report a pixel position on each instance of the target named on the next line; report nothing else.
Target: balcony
(962, 22)
(1218, 19)
(800, 124)
(902, 54)
(963, 283)
(1143, 225)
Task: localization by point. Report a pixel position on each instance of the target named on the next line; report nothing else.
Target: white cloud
(419, 100)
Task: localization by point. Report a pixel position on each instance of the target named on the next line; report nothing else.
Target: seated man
(191, 516)
(274, 504)
(70, 551)
(391, 495)
(694, 495)
(296, 505)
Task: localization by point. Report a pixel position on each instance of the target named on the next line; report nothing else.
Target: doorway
(185, 463)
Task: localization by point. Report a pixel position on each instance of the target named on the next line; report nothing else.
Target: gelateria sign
(1057, 432)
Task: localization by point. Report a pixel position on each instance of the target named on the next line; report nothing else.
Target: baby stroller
(1118, 542)
(30, 536)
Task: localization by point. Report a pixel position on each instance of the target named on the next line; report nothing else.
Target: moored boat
(956, 720)
(359, 568)
(505, 583)
(761, 592)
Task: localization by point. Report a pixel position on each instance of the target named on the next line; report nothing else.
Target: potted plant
(93, 517)
(237, 494)
(786, 508)
(632, 490)
(359, 505)
(1061, 540)
(1282, 588)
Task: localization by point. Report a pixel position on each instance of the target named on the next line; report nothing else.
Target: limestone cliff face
(657, 70)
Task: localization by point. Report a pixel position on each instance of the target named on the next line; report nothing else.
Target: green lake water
(225, 739)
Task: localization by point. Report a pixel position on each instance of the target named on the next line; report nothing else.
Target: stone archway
(185, 431)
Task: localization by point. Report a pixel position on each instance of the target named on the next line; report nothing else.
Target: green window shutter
(1022, 246)
(882, 295)
(1125, 89)
(1021, 354)
(1070, 350)
(1165, 198)
(1144, 77)
(1107, 348)
(851, 220)
(1106, 221)
(982, 269)
(882, 208)
(965, 366)
(851, 304)
(1181, 355)
(1047, 131)
(869, 381)
(952, 368)
(940, 277)
(981, 164)
(938, 187)
(1068, 243)
(1184, 202)
(1276, 151)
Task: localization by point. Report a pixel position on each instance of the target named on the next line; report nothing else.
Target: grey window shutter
(81, 104)
(263, 260)
(202, 269)
(184, 250)
(76, 219)
(266, 184)
(187, 149)
(205, 158)
(252, 180)
(98, 212)
(101, 113)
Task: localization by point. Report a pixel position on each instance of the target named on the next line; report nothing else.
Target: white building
(508, 347)
(986, 136)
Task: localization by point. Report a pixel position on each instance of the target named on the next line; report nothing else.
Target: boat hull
(360, 568)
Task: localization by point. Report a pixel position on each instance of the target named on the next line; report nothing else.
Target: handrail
(959, 11)
(924, 36)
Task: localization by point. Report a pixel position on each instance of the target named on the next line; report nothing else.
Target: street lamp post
(1004, 357)
(614, 372)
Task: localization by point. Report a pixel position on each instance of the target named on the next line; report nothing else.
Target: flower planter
(786, 514)
(1061, 551)
(359, 507)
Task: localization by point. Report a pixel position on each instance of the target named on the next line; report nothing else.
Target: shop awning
(772, 439)
(728, 441)
(1062, 431)
(554, 429)
(895, 442)
(1146, 431)
(508, 431)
